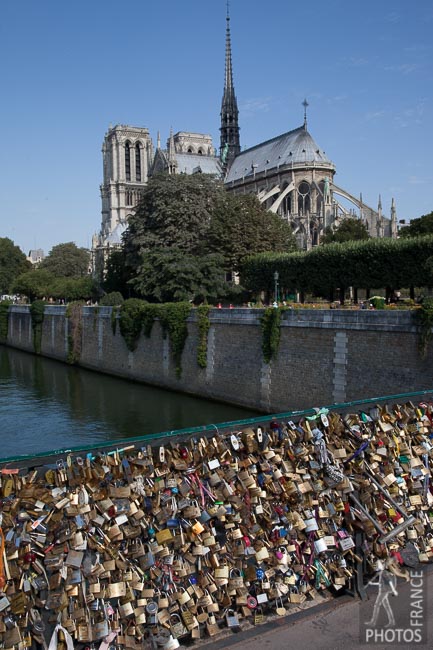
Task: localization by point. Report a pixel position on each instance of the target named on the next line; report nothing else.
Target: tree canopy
(171, 275)
(13, 262)
(67, 261)
(349, 230)
(34, 284)
(40, 283)
(116, 273)
(421, 226)
(187, 232)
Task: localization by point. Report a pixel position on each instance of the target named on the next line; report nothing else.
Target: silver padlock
(232, 618)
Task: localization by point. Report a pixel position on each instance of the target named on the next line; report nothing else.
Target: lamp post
(276, 276)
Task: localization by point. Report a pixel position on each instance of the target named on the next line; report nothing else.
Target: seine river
(46, 405)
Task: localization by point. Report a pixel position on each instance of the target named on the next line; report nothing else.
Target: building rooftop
(293, 147)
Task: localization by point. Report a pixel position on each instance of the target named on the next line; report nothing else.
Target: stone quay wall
(324, 357)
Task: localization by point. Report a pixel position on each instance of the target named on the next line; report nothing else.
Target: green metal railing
(119, 445)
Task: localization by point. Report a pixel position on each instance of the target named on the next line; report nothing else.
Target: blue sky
(72, 69)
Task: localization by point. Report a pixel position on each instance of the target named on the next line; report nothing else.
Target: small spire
(158, 140)
(171, 145)
(305, 104)
(379, 205)
(394, 227)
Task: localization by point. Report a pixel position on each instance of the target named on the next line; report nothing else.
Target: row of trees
(371, 264)
(64, 273)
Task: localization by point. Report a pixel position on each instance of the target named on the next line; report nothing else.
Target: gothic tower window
(127, 161)
(137, 163)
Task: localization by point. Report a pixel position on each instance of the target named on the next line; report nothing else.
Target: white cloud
(420, 180)
(403, 68)
(256, 105)
(393, 17)
(374, 115)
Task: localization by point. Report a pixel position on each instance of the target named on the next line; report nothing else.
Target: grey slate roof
(188, 163)
(295, 147)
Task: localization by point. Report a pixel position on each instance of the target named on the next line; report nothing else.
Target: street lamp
(276, 276)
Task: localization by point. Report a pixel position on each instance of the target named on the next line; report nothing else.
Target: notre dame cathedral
(290, 175)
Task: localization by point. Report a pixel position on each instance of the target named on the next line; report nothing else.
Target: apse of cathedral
(290, 174)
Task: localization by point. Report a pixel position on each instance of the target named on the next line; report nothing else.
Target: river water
(45, 405)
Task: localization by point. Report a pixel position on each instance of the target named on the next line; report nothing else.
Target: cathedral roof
(189, 163)
(293, 147)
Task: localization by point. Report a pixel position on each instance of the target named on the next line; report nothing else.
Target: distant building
(290, 174)
(35, 256)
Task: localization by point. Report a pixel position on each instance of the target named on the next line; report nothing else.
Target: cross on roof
(305, 104)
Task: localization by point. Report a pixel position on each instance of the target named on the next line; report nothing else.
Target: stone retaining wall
(325, 356)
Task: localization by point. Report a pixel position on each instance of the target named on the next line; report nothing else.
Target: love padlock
(232, 618)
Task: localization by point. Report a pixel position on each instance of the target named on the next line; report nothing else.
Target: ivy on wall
(4, 320)
(270, 322)
(137, 317)
(173, 316)
(424, 317)
(203, 329)
(74, 314)
(131, 321)
(37, 309)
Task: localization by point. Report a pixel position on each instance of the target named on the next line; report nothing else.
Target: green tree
(349, 230)
(12, 264)
(174, 212)
(117, 274)
(421, 226)
(73, 289)
(171, 275)
(194, 216)
(240, 226)
(67, 261)
(34, 284)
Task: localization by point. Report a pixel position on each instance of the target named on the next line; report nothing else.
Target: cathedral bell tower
(230, 144)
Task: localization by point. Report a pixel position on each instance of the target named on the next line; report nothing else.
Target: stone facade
(324, 357)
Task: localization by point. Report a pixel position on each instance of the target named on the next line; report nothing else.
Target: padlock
(236, 580)
(232, 619)
(177, 627)
(259, 616)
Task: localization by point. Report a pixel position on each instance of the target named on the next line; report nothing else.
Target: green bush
(378, 302)
(369, 264)
(112, 299)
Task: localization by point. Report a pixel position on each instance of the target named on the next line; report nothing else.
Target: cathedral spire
(229, 142)
(305, 104)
